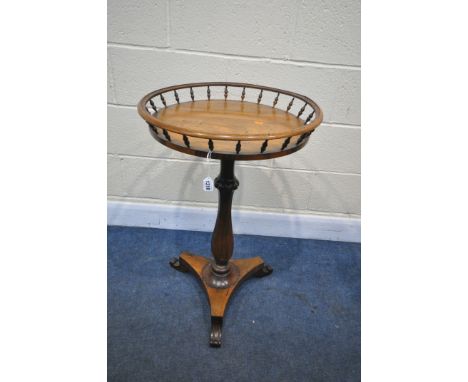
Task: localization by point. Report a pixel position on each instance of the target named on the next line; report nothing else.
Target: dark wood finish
(220, 276)
(222, 243)
(228, 129)
(218, 298)
(228, 125)
(215, 155)
(155, 121)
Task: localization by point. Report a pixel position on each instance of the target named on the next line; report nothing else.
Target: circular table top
(220, 119)
(256, 123)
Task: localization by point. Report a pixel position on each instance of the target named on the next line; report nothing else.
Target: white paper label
(208, 184)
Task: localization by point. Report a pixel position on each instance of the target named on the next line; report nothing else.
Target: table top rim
(224, 156)
(219, 105)
(153, 120)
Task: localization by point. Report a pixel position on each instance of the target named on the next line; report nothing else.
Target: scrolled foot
(264, 271)
(215, 335)
(176, 264)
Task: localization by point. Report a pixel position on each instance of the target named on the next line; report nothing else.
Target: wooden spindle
(309, 118)
(211, 145)
(243, 94)
(225, 92)
(154, 128)
(264, 146)
(208, 92)
(276, 100)
(302, 110)
(238, 147)
(260, 96)
(166, 134)
(290, 105)
(176, 96)
(301, 138)
(186, 141)
(285, 143)
(192, 95)
(153, 105)
(163, 100)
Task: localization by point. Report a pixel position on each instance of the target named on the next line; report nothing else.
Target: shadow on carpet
(302, 323)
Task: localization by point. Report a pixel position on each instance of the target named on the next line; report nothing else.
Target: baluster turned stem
(163, 100)
(290, 104)
(222, 241)
(276, 100)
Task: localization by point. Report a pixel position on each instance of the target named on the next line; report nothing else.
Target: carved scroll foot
(264, 271)
(219, 293)
(178, 265)
(215, 335)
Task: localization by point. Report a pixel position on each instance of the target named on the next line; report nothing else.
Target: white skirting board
(303, 226)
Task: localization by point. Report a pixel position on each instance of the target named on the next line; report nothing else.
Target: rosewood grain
(154, 120)
(228, 129)
(221, 275)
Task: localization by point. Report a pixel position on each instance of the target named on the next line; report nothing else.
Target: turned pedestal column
(228, 121)
(220, 276)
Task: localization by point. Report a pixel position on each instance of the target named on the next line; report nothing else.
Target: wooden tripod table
(229, 121)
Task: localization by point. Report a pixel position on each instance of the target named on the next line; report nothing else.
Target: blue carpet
(302, 323)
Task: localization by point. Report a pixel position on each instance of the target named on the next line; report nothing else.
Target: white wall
(310, 47)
